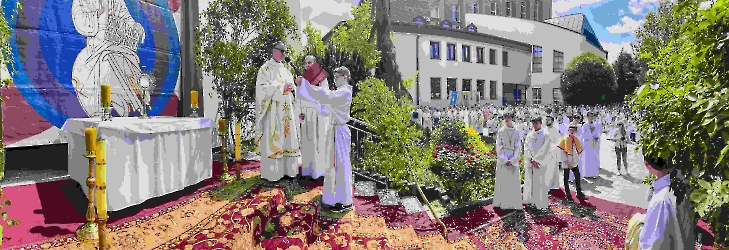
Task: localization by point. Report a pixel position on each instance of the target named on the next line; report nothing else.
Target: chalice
(146, 82)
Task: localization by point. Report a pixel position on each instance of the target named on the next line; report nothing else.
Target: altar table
(146, 158)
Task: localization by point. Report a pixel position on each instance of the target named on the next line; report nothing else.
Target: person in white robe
(507, 186)
(338, 192)
(536, 157)
(315, 158)
(276, 131)
(590, 133)
(552, 172)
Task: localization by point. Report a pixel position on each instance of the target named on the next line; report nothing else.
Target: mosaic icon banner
(65, 49)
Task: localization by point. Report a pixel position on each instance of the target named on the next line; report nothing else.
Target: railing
(361, 131)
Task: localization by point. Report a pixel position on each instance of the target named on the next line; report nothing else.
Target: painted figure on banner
(507, 187)
(537, 162)
(110, 56)
(276, 131)
(338, 194)
(316, 147)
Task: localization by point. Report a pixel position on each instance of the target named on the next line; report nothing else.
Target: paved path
(613, 187)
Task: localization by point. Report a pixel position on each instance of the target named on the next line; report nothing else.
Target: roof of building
(577, 23)
(328, 35)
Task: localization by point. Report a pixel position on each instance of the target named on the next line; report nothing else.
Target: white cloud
(613, 49)
(626, 25)
(637, 6)
(621, 12)
(562, 7)
(332, 7)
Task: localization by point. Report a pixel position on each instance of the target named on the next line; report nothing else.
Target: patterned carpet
(286, 215)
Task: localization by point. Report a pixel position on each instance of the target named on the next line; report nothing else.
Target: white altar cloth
(146, 158)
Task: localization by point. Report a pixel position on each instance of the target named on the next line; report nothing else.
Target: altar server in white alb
(590, 134)
(552, 172)
(537, 161)
(338, 194)
(315, 129)
(277, 133)
(507, 190)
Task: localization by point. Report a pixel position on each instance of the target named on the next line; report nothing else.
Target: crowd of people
(558, 138)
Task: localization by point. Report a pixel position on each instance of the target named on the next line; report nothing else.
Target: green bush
(396, 154)
(465, 167)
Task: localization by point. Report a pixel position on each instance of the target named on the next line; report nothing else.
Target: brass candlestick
(89, 232)
(104, 241)
(225, 177)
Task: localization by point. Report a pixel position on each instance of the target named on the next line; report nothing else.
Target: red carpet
(56, 209)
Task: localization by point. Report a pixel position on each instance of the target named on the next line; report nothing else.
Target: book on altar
(315, 74)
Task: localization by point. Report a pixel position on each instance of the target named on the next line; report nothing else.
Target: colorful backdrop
(61, 59)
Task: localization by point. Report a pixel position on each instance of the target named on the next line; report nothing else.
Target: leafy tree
(348, 46)
(233, 41)
(387, 69)
(588, 79)
(686, 116)
(626, 75)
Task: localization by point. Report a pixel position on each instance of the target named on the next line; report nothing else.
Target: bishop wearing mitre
(276, 130)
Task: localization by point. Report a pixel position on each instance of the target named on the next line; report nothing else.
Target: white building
(537, 48)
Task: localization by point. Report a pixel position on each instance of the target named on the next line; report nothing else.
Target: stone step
(365, 188)
(388, 197)
(412, 205)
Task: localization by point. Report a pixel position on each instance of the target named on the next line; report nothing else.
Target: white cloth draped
(146, 158)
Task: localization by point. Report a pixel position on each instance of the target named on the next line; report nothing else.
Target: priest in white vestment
(536, 157)
(338, 194)
(507, 186)
(315, 158)
(590, 133)
(277, 133)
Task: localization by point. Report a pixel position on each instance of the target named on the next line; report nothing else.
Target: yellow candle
(90, 139)
(105, 94)
(221, 126)
(193, 98)
(237, 141)
(101, 205)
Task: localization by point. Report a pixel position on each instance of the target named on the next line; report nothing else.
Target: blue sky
(614, 21)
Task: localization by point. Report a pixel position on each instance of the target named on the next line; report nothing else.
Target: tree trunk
(387, 69)
(685, 212)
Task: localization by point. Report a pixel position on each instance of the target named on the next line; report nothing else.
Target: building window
(523, 10)
(505, 58)
(466, 53)
(536, 13)
(434, 50)
(493, 9)
(492, 90)
(479, 55)
(480, 88)
(556, 95)
(508, 8)
(536, 59)
(456, 12)
(492, 56)
(450, 85)
(435, 13)
(451, 56)
(466, 85)
(558, 62)
(475, 8)
(435, 88)
(537, 95)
